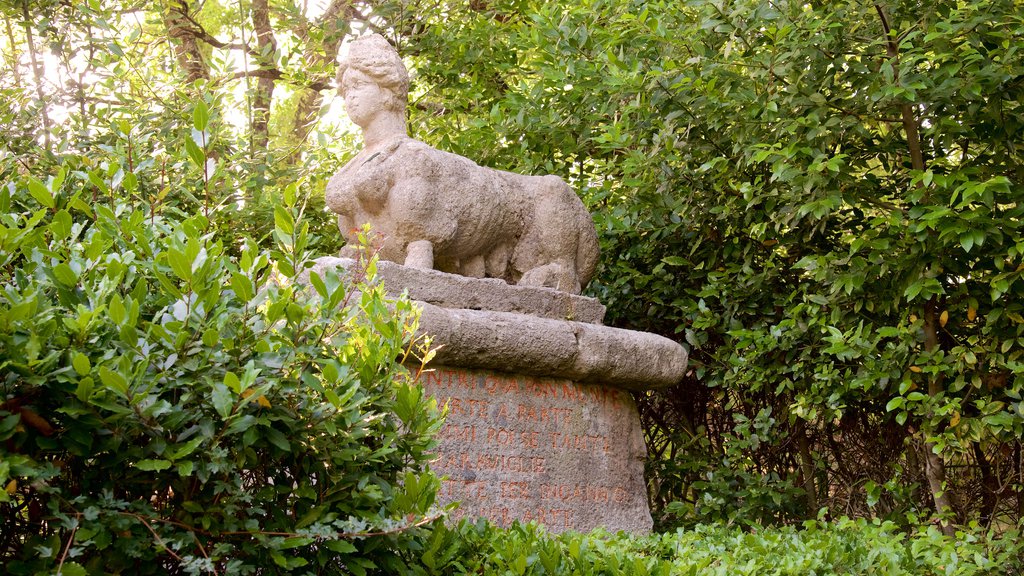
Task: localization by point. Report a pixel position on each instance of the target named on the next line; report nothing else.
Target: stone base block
(540, 422)
(518, 447)
(454, 291)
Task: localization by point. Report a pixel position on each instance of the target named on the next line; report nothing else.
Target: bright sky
(58, 75)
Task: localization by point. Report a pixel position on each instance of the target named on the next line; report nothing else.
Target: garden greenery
(842, 547)
(822, 200)
(168, 408)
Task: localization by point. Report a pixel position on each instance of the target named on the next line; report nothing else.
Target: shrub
(843, 547)
(167, 408)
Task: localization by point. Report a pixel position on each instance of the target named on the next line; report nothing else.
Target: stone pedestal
(567, 455)
(540, 423)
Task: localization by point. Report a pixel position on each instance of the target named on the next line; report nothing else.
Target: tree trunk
(807, 467)
(989, 485)
(37, 72)
(13, 62)
(934, 467)
(184, 42)
(914, 466)
(1018, 464)
(267, 47)
(318, 55)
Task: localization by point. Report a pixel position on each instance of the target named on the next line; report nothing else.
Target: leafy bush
(823, 200)
(167, 408)
(844, 547)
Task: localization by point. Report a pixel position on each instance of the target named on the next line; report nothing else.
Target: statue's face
(364, 98)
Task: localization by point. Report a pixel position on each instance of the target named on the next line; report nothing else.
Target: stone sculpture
(540, 423)
(437, 210)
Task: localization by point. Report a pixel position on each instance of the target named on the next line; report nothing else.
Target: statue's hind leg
(547, 251)
(554, 275)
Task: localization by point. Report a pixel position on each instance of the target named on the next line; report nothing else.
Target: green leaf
(279, 559)
(153, 465)
(674, 260)
(223, 400)
(113, 380)
(242, 424)
(295, 542)
(185, 468)
(41, 193)
(84, 389)
(232, 382)
(65, 275)
(81, 364)
(283, 220)
(117, 309)
(277, 438)
(61, 225)
(242, 286)
(195, 152)
(913, 290)
(187, 448)
(340, 546)
(200, 115)
(967, 241)
(894, 404)
(181, 264)
(211, 337)
(71, 569)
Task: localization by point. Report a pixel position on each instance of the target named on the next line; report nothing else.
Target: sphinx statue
(437, 210)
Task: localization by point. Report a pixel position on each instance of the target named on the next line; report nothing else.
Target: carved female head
(372, 57)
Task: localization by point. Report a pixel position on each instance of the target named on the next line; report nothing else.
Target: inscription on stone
(515, 447)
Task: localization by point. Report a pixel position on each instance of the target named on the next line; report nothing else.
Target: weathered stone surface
(453, 291)
(558, 348)
(436, 210)
(517, 447)
(541, 344)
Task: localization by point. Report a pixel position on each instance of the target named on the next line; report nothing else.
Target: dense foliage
(843, 547)
(170, 408)
(822, 200)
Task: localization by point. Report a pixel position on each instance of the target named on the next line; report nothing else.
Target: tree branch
(906, 110)
(275, 74)
(198, 32)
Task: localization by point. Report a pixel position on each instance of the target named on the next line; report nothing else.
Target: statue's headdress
(374, 56)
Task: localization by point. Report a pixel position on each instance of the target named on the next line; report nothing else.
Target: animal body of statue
(439, 210)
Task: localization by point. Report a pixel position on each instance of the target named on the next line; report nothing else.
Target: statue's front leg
(420, 254)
